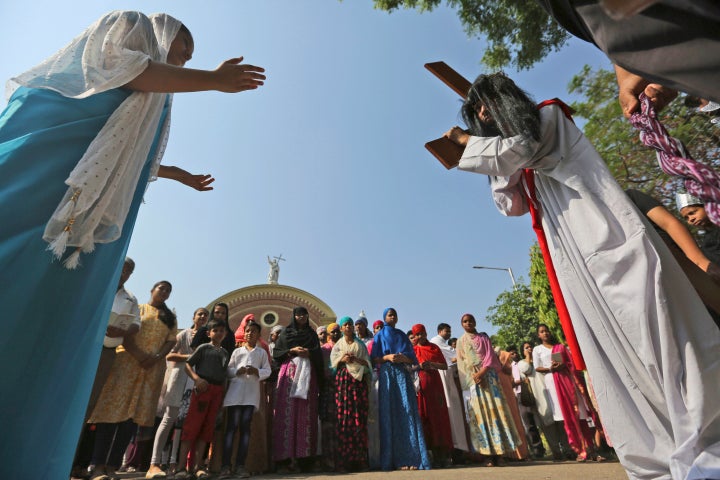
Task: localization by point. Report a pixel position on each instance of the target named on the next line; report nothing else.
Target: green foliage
(632, 164)
(516, 316)
(519, 32)
(542, 295)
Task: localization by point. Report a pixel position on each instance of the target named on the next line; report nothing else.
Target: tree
(516, 315)
(519, 32)
(632, 164)
(542, 295)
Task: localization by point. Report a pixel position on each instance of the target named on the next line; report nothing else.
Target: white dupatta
(301, 382)
(109, 54)
(356, 348)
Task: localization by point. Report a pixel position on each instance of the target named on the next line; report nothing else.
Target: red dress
(431, 400)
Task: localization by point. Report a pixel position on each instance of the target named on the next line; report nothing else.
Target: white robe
(649, 344)
(452, 395)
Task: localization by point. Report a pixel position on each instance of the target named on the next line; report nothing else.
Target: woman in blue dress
(82, 134)
(402, 441)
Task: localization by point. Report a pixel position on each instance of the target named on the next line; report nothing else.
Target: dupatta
(110, 53)
(357, 348)
(568, 399)
(474, 350)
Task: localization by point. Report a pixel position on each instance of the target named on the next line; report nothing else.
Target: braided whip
(700, 180)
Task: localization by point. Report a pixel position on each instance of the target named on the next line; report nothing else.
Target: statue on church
(274, 272)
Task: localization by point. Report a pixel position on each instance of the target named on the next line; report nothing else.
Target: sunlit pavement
(515, 471)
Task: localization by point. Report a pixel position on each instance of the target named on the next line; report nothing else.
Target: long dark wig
(512, 110)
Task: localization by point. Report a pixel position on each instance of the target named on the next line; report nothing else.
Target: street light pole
(508, 269)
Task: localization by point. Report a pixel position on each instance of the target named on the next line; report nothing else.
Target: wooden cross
(444, 149)
(449, 154)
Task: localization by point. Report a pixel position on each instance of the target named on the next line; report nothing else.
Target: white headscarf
(110, 53)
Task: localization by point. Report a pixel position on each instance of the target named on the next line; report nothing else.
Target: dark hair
(165, 315)
(227, 312)
(512, 111)
(511, 348)
(253, 324)
(198, 309)
(552, 335)
(215, 324)
(409, 333)
(442, 327)
(453, 339)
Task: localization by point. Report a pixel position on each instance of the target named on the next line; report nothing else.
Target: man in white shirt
(124, 320)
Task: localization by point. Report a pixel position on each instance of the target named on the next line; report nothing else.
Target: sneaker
(241, 473)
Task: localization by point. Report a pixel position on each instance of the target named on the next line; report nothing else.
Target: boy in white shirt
(248, 366)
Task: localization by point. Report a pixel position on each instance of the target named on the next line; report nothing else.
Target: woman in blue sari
(94, 117)
(402, 441)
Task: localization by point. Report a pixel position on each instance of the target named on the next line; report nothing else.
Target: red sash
(533, 204)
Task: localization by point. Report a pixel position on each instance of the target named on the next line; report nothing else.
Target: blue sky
(324, 164)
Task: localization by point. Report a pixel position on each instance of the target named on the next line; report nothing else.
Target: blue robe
(402, 441)
(54, 319)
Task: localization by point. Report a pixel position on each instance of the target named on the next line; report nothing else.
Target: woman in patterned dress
(351, 362)
(130, 395)
(492, 429)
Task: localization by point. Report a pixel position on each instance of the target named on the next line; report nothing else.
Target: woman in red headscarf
(431, 397)
(240, 334)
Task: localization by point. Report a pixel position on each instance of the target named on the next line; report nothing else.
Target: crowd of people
(338, 398)
(85, 130)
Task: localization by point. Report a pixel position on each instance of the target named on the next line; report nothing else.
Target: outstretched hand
(200, 182)
(233, 77)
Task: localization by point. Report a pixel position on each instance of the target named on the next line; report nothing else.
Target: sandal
(155, 472)
(581, 458)
(600, 458)
(201, 474)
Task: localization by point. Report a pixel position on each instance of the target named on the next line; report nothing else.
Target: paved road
(525, 471)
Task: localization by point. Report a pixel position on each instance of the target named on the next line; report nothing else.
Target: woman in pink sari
(575, 410)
